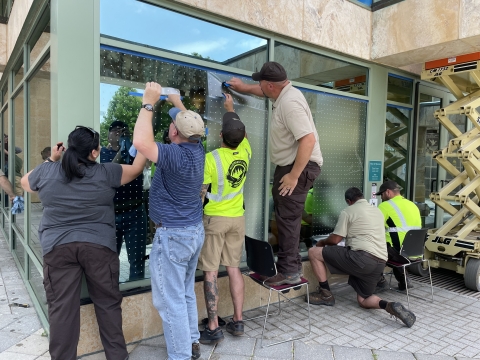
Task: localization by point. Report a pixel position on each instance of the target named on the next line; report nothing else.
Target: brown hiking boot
(321, 297)
(400, 312)
(281, 279)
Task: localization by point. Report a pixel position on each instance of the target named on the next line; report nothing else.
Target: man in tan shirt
(363, 257)
(295, 151)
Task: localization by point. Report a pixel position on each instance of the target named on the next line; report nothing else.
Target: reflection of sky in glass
(151, 25)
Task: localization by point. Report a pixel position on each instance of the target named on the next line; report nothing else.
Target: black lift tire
(419, 269)
(472, 274)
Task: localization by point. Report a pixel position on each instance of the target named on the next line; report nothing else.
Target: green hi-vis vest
(226, 170)
(401, 215)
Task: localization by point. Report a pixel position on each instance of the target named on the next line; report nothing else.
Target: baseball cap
(233, 130)
(188, 122)
(270, 71)
(117, 123)
(388, 185)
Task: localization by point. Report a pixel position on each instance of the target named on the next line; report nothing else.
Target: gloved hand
(18, 205)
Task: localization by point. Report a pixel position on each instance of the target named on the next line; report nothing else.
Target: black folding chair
(261, 263)
(412, 251)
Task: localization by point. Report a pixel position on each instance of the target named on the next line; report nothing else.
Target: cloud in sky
(251, 43)
(204, 48)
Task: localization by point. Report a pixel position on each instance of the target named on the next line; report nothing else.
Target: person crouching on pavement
(363, 257)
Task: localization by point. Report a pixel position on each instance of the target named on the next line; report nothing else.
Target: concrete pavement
(445, 330)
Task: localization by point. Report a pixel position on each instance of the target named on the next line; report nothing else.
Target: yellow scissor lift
(456, 245)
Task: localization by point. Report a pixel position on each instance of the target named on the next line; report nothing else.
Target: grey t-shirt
(79, 210)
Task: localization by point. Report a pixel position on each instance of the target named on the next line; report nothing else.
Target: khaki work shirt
(291, 120)
(361, 224)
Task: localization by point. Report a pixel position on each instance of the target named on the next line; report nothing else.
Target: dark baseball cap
(271, 71)
(233, 130)
(388, 185)
(117, 123)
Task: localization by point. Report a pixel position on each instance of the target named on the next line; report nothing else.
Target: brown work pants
(62, 278)
(288, 215)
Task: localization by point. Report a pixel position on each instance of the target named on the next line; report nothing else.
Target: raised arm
(238, 85)
(143, 138)
(228, 104)
(131, 172)
(176, 101)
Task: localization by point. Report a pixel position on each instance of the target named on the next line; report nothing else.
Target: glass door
(428, 176)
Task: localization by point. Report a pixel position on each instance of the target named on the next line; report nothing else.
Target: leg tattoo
(211, 297)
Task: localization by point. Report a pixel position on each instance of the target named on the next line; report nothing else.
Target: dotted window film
(340, 123)
(123, 73)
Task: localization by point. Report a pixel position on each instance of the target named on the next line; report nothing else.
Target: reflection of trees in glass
(196, 54)
(125, 108)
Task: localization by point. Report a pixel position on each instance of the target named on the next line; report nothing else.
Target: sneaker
(400, 312)
(321, 297)
(195, 351)
(211, 337)
(235, 327)
(281, 279)
(221, 322)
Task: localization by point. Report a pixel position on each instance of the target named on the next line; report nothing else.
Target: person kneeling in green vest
(224, 222)
(401, 215)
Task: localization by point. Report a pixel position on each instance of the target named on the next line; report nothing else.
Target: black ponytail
(81, 142)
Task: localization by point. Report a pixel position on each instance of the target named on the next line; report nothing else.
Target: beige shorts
(224, 238)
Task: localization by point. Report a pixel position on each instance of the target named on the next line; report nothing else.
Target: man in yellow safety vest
(224, 222)
(401, 215)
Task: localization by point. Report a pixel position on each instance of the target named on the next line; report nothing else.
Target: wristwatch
(148, 107)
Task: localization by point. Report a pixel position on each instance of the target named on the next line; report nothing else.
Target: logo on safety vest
(236, 173)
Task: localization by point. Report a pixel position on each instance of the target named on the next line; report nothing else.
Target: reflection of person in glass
(45, 153)
(294, 148)
(77, 235)
(224, 222)
(130, 217)
(18, 166)
(176, 209)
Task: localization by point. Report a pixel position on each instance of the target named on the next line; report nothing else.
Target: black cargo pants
(288, 215)
(62, 278)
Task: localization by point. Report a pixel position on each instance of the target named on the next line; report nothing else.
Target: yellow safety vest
(401, 215)
(226, 170)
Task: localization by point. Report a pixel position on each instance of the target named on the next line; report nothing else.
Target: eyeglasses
(89, 129)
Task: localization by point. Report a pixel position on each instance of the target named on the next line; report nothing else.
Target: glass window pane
(40, 41)
(400, 89)
(19, 71)
(201, 89)
(397, 136)
(4, 95)
(19, 153)
(36, 281)
(182, 34)
(19, 250)
(314, 69)
(39, 141)
(6, 220)
(341, 125)
(5, 201)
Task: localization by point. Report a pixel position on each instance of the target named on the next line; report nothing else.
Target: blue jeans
(173, 261)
